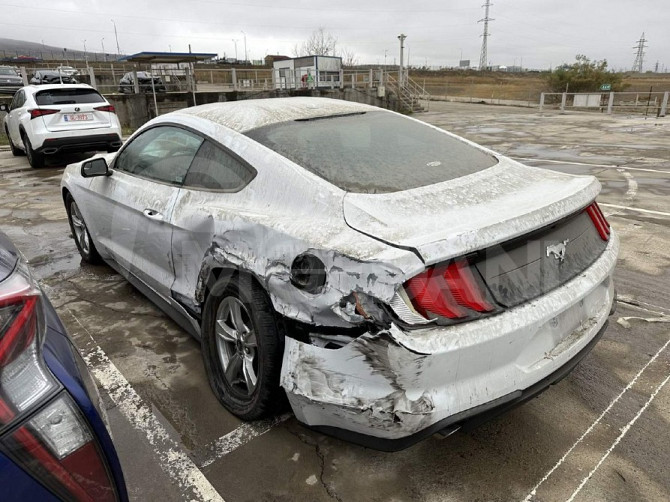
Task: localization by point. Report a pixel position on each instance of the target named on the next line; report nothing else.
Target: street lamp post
(246, 58)
(116, 36)
(85, 53)
(235, 42)
(102, 42)
(402, 38)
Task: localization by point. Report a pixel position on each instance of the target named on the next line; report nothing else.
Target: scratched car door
(133, 207)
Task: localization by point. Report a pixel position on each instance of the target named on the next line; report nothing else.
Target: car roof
(35, 88)
(245, 115)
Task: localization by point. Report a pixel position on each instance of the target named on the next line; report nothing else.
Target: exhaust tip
(49, 151)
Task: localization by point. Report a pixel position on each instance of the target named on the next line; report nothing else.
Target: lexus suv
(54, 444)
(52, 119)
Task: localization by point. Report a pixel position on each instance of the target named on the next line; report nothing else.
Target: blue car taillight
(47, 435)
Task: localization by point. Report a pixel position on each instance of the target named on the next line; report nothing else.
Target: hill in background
(11, 49)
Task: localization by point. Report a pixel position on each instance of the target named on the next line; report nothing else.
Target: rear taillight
(40, 112)
(450, 290)
(49, 438)
(106, 108)
(599, 221)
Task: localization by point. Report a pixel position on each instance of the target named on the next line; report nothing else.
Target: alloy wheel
(80, 232)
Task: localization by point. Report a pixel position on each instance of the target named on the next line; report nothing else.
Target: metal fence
(648, 103)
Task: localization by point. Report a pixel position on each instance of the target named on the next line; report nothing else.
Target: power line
(639, 55)
(483, 56)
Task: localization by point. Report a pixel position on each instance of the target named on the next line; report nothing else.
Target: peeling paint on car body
(389, 382)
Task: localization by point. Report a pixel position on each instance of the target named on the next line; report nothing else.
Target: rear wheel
(16, 152)
(242, 348)
(82, 237)
(35, 159)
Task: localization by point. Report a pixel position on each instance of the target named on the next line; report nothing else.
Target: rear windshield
(373, 152)
(68, 96)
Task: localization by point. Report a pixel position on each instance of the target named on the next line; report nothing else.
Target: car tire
(16, 152)
(240, 341)
(35, 159)
(80, 233)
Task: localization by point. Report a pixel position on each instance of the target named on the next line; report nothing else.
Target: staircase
(412, 97)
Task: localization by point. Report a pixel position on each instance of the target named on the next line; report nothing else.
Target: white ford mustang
(392, 279)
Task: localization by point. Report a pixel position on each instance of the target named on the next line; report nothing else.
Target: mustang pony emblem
(558, 250)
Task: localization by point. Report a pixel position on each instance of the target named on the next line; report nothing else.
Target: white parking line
(175, 463)
(533, 492)
(624, 431)
(241, 436)
(605, 166)
(645, 211)
(632, 184)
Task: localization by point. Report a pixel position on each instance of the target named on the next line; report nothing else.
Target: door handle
(152, 214)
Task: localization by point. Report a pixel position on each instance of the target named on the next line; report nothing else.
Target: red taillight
(39, 112)
(447, 290)
(51, 439)
(599, 221)
(106, 108)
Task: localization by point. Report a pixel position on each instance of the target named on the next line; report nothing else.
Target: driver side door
(132, 209)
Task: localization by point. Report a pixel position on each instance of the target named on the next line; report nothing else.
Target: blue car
(54, 444)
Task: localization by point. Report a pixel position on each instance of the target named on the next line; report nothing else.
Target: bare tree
(320, 43)
(348, 56)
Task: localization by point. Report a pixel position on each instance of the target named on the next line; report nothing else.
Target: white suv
(49, 119)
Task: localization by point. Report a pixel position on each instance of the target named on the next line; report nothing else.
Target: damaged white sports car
(392, 279)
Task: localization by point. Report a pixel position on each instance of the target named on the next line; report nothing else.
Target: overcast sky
(540, 33)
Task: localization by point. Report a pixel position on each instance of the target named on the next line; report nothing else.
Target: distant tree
(319, 43)
(584, 75)
(348, 56)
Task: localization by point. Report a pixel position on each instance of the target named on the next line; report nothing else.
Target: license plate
(77, 117)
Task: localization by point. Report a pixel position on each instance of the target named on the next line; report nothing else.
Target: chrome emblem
(77, 109)
(558, 250)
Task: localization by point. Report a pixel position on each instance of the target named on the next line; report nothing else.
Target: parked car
(51, 77)
(67, 70)
(127, 83)
(392, 279)
(54, 444)
(47, 120)
(10, 81)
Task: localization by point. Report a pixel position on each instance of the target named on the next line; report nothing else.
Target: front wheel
(35, 159)
(82, 237)
(242, 348)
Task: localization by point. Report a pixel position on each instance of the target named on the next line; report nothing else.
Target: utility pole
(245, 46)
(85, 53)
(483, 57)
(102, 42)
(639, 55)
(385, 52)
(401, 71)
(118, 51)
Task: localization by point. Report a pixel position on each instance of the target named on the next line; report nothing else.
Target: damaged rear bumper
(393, 388)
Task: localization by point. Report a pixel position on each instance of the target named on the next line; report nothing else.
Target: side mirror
(95, 167)
(4, 108)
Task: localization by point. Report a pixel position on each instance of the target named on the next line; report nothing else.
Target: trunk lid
(76, 109)
(471, 213)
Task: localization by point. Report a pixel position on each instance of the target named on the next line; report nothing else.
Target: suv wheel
(242, 348)
(35, 159)
(16, 152)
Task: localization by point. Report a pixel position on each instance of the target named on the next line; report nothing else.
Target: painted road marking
(175, 463)
(533, 492)
(605, 166)
(639, 210)
(624, 431)
(632, 185)
(240, 436)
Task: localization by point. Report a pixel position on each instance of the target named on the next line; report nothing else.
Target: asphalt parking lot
(600, 434)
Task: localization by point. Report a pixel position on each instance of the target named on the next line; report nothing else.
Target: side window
(18, 100)
(215, 169)
(162, 153)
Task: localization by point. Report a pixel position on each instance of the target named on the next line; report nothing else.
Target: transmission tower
(639, 55)
(483, 57)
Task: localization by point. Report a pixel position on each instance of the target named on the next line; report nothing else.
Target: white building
(308, 72)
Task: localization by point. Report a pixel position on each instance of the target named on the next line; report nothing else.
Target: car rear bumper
(390, 389)
(88, 143)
